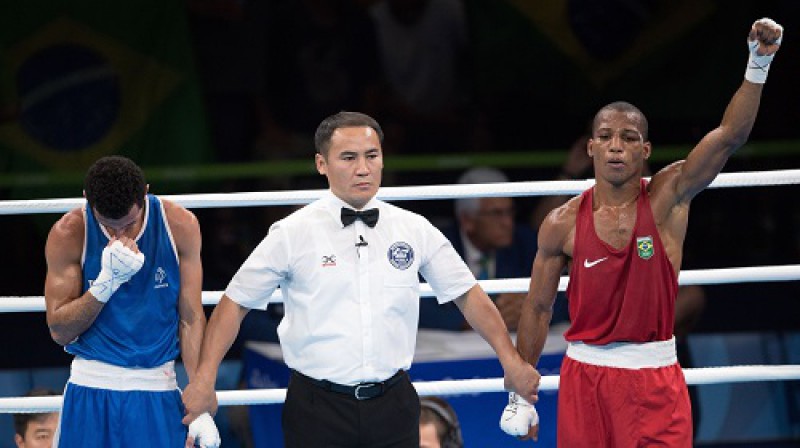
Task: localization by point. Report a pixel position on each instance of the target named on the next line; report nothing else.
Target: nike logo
(588, 264)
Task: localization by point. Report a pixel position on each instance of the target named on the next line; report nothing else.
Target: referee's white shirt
(351, 313)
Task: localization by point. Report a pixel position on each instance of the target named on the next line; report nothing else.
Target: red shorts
(621, 408)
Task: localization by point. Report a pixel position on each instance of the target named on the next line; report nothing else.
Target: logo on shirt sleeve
(401, 255)
(644, 245)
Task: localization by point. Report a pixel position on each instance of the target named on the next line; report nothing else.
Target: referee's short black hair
(343, 119)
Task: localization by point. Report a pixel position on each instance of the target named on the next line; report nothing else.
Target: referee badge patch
(401, 255)
(644, 245)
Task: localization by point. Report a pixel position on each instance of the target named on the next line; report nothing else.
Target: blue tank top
(138, 327)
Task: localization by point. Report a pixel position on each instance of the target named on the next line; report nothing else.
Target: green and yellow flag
(83, 79)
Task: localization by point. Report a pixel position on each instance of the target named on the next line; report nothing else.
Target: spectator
(493, 246)
(36, 430)
(229, 39)
(322, 57)
(438, 424)
(423, 49)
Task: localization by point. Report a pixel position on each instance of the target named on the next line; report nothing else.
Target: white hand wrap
(518, 417)
(758, 66)
(204, 432)
(118, 264)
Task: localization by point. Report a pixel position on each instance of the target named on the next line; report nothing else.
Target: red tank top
(625, 295)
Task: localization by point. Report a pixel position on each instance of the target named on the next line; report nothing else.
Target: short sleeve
(262, 272)
(443, 269)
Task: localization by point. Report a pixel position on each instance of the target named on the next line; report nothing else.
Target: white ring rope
(712, 375)
(704, 375)
(21, 304)
(427, 192)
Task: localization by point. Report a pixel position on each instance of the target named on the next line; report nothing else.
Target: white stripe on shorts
(625, 355)
(101, 375)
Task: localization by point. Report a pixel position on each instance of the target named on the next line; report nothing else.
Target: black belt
(362, 391)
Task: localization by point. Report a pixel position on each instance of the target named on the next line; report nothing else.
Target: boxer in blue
(123, 294)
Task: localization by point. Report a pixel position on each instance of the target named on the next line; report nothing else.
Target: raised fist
(763, 41)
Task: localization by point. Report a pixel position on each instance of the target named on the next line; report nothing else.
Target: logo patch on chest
(160, 278)
(401, 255)
(644, 246)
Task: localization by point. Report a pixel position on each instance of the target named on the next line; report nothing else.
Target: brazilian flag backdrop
(91, 78)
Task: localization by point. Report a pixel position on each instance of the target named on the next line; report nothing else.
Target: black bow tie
(349, 216)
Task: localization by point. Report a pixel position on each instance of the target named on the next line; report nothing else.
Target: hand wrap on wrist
(758, 66)
(118, 264)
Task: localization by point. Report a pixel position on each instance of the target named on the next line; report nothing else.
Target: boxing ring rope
(780, 273)
(427, 192)
(694, 376)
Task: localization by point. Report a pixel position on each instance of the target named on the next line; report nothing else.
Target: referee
(347, 266)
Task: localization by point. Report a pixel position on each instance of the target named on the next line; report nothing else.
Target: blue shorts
(95, 417)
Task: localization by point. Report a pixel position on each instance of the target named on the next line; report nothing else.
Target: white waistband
(101, 375)
(625, 355)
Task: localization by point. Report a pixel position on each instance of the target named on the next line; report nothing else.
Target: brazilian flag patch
(644, 245)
